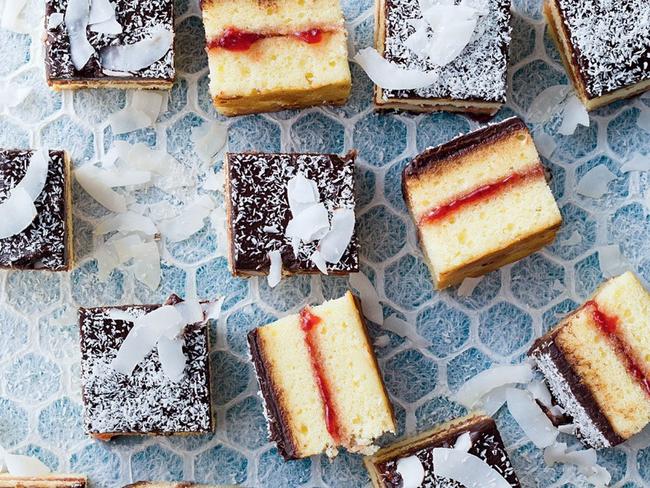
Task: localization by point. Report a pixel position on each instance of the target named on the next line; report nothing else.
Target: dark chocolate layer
(258, 208)
(42, 245)
(477, 74)
(610, 42)
(486, 444)
(546, 346)
(279, 431)
(136, 18)
(146, 402)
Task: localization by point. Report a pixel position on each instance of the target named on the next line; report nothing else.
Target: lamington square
(259, 211)
(473, 82)
(147, 401)
(597, 363)
(35, 210)
(605, 46)
(328, 392)
(49, 481)
(411, 462)
(480, 201)
(118, 44)
(275, 55)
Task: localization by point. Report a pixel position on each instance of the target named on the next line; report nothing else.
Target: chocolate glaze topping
(257, 199)
(136, 18)
(486, 444)
(42, 245)
(147, 401)
(477, 74)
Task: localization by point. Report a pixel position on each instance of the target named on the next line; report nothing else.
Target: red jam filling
(481, 193)
(308, 322)
(609, 326)
(237, 40)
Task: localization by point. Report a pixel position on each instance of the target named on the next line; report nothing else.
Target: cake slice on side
(268, 56)
(411, 462)
(48, 481)
(328, 392)
(597, 363)
(480, 201)
(605, 47)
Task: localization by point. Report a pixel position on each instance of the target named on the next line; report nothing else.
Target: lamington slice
(35, 210)
(328, 392)
(274, 55)
(117, 44)
(411, 462)
(259, 205)
(473, 82)
(605, 46)
(49, 481)
(597, 363)
(480, 201)
(157, 394)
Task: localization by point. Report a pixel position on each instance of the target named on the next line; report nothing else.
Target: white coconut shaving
(586, 460)
(172, 358)
(637, 162)
(382, 341)
(310, 224)
(143, 111)
(275, 271)
(318, 259)
(411, 470)
(531, 418)
(574, 114)
(28, 466)
(139, 55)
(102, 18)
(89, 177)
(369, 297)
(492, 402)
(403, 329)
(470, 394)
(77, 16)
(126, 222)
(463, 442)
(214, 181)
(13, 94)
(546, 144)
(468, 286)
(302, 193)
(391, 76)
(18, 211)
(212, 310)
(189, 222)
(465, 468)
(540, 392)
(611, 261)
(594, 183)
(146, 263)
(333, 245)
(12, 16)
(547, 104)
(209, 139)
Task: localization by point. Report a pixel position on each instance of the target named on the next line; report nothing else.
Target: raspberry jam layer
(308, 322)
(609, 325)
(481, 193)
(237, 40)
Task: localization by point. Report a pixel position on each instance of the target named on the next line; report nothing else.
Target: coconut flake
(139, 55)
(382, 341)
(214, 181)
(310, 224)
(36, 174)
(334, 244)
(594, 183)
(146, 263)
(530, 417)
(189, 222)
(143, 112)
(492, 402)
(411, 470)
(89, 177)
(18, 465)
(127, 222)
(468, 286)
(275, 271)
(486, 381)
(611, 261)
(17, 212)
(209, 139)
(12, 17)
(574, 113)
(319, 261)
(13, 94)
(271, 229)
(467, 469)
(212, 310)
(586, 460)
(546, 144)
(76, 21)
(637, 162)
(172, 359)
(391, 76)
(403, 329)
(548, 103)
(463, 442)
(541, 392)
(302, 193)
(370, 304)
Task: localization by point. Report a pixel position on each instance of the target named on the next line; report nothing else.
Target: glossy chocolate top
(136, 18)
(258, 207)
(486, 444)
(146, 401)
(478, 73)
(42, 245)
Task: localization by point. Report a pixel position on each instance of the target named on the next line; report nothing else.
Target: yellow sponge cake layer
(270, 16)
(480, 201)
(280, 72)
(328, 391)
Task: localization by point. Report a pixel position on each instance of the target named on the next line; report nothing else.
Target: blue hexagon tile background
(40, 409)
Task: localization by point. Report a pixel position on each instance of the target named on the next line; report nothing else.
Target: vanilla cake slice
(597, 363)
(480, 201)
(320, 381)
(272, 55)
